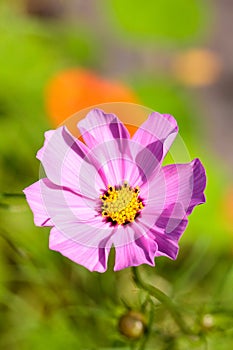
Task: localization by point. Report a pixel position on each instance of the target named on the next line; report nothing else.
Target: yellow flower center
(121, 204)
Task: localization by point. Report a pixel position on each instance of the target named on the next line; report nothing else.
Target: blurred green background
(172, 56)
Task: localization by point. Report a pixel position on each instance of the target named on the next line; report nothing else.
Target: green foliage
(162, 21)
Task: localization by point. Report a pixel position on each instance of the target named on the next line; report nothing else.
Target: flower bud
(132, 324)
(207, 322)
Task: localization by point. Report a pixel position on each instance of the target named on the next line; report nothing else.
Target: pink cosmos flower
(112, 191)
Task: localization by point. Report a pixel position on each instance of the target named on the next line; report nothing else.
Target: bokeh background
(57, 57)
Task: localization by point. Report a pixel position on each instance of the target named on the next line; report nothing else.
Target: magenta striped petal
(99, 127)
(68, 162)
(158, 127)
(140, 251)
(49, 202)
(93, 258)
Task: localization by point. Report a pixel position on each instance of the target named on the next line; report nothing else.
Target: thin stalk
(12, 195)
(164, 299)
(149, 327)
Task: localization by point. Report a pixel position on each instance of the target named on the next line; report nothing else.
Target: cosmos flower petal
(172, 221)
(183, 183)
(68, 162)
(49, 202)
(149, 159)
(199, 180)
(169, 224)
(73, 216)
(99, 127)
(135, 252)
(158, 127)
(116, 166)
(135, 164)
(108, 140)
(35, 200)
(93, 258)
(48, 135)
(166, 246)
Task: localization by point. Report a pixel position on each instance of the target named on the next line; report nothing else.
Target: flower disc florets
(121, 203)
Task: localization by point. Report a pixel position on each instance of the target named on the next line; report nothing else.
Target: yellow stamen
(121, 204)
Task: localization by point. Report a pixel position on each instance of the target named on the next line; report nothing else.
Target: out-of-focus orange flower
(197, 67)
(72, 90)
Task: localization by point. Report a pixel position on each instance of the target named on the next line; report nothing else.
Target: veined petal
(68, 162)
(199, 185)
(158, 127)
(135, 165)
(93, 258)
(48, 135)
(148, 160)
(50, 202)
(116, 166)
(185, 183)
(35, 200)
(166, 229)
(173, 221)
(176, 183)
(166, 246)
(133, 252)
(108, 140)
(99, 127)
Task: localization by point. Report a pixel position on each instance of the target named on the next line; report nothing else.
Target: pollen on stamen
(121, 204)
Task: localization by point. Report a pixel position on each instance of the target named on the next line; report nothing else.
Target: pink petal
(158, 127)
(93, 258)
(109, 142)
(50, 202)
(133, 252)
(172, 221)
(48, 135)
(99, 127)
(199, 185)
(166, 229)
(185, 183)
(68, 162)
(35, 200)
(176, 183)
(80, 233)
(116, 166)
(93, 233)
(134, 165)
(148, 160)
(166, 246)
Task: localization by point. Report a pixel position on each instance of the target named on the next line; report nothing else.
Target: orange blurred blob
(75, 89)
(227, 208)
(197, 67)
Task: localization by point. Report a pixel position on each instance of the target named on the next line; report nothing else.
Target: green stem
(12, 195)
(163, 298)
(149, 327)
